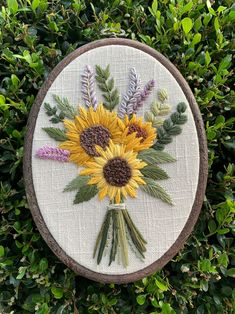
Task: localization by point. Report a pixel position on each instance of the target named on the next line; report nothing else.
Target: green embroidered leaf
(167, 124)
(65, 107)
(181, 107)
(159, 109)
(152, 156)
(56, 134)
(76, 183)
(52, 112)
(163, 135)
(102, 237)
(135, 236)
(178, 118)
(175, 130)
(122, 239)
(106, 85)
(85, 193)
(110, 84)
(114, 245)
(154, 172)
(171, 127)
(155, 190)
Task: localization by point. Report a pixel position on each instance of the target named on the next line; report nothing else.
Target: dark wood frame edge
(27, 168)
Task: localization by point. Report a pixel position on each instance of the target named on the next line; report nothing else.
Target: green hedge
(197, 37)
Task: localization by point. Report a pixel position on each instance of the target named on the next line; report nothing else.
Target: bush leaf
(187, 25)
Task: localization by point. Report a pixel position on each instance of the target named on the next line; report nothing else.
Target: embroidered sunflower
(116, 172)
(134, 130)
(89, 129)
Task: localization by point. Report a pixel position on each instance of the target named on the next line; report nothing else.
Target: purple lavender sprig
(143, 95)
(132, 95)
(88, 88)
(53, 153)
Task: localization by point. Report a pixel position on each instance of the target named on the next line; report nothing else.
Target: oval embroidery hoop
(58, 236)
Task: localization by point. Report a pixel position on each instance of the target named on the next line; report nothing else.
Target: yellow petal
(69, 125)
(133, 183)
(131, 191)
(139, 180)
(101, 183)
(118, 196)
(103, 192)
(112, 192)
(83, 113)
(86, 171)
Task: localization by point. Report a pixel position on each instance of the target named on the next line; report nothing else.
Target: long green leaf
(85, 193)
(104, 235)
(154, 172)
(56, 134)
(155, 190)
(152, 156)
(114, 246)
(122, 238)
(137, 241)
(76, 183)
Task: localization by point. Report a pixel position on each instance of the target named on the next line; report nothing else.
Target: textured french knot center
(139, 131)
(117, 172)
(94, 135)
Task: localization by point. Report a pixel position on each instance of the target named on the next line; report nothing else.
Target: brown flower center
(139, 131)
(95, 135)
(117, 172)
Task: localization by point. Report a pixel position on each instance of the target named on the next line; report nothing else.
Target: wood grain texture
(30, 192)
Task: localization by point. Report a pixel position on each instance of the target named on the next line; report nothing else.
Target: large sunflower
(89, 129)
(135, 130)
(116, 172)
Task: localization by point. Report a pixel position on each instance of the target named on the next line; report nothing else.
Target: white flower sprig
(88, 88)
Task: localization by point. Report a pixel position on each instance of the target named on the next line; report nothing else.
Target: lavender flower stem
(53, 153)
(88, 88)
(143, 95)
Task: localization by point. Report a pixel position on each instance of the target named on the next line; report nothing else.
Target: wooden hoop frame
(27, 168)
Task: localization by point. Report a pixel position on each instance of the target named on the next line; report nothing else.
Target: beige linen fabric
(75, 227)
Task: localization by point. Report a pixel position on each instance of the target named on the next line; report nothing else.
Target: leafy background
(197, 37)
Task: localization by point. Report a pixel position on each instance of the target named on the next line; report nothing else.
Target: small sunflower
(89, 129)
(135, 130)
(116, 172)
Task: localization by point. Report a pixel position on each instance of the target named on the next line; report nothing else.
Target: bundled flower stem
(118, 221)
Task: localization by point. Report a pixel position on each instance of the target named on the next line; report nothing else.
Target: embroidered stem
(124, 233)
(88, 88)
(53, 153)
(143, 96)
(130, 98)
(122, 238)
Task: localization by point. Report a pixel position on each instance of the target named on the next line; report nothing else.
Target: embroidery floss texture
(88, 88)
(119, 153)
(53, 153)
